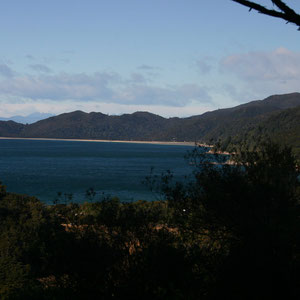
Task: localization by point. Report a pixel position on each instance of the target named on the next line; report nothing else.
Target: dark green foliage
(250, 211)
(26, 231)
(209, 127)
(231, 232)
(282, 127)
(10, 128)
(276, 117)
(97, 250)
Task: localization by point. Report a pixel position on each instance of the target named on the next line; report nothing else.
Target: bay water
(44, 168)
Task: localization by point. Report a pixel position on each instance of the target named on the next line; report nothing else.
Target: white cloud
(271, 72)
(59, 87)
(27, 107)
(101, 87)
(179, 95)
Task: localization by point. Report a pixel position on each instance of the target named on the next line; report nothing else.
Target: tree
(283, 11)
(249, 211)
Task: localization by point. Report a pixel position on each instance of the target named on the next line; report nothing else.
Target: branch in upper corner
(283, 7)
(286, 12)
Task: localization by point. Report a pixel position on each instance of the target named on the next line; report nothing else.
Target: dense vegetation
(232, 123)
(282, 127)
(231, 232)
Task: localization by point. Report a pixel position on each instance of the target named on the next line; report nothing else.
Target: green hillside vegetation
(97, 126)
(276, 117)
(231, 232)
(238, 121)
(211, 126)
(10, 129)
(282, 127)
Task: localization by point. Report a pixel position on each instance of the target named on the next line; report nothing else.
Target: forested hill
(282, 127)
(219, 124)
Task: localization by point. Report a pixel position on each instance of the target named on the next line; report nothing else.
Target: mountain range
(31, 118)
(277, 116)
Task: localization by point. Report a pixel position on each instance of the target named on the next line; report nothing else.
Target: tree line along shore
(231, 231)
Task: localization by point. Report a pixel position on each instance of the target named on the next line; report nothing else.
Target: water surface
(42, 168)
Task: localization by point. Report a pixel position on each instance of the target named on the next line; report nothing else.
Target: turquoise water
(43, 168)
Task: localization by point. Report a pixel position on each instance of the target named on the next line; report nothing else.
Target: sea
(63, 171)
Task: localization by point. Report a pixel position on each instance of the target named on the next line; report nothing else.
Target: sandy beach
(103, 141)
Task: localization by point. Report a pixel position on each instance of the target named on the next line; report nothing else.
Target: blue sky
(170, 57)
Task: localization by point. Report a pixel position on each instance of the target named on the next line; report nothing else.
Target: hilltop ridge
(230, 124)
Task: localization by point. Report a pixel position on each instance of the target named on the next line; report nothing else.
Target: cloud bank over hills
(165, 57)
(264, 71)
(238, 77)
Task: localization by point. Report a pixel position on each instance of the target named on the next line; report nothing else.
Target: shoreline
(104, 141)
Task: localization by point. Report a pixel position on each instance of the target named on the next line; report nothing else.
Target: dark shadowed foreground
(231, 232)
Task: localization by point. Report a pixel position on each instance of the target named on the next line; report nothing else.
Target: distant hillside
(32, 118)
(231, 122)
(282, 127)
(275, 114)
(11, 129)
(81, 125)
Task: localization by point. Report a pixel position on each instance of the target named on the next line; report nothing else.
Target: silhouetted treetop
(282, 11)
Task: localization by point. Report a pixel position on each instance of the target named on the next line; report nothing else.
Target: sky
(169, 57)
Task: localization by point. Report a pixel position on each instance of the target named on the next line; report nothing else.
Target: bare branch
(283, 7)
(285, 13)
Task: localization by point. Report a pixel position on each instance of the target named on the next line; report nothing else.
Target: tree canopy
(229, 231)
